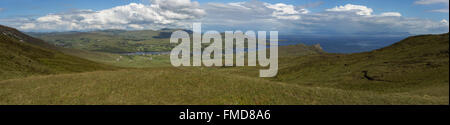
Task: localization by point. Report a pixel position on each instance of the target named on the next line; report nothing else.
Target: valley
(70, 70)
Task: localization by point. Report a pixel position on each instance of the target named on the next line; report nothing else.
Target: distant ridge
(16, 34)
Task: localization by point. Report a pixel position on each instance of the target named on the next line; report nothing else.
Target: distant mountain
(343, 44)
(22, 55)
(17, 35)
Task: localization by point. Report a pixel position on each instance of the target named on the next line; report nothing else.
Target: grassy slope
(183, 86)
(23, 56)
(19, 36)
(417, 65)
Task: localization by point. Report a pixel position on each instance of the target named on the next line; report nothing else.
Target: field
(413, 71)
(111, 41)
(169, 86)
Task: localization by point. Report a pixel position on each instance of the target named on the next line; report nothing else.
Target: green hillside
(412, 71)
(22, 56)
(418, 64)
(190, 86)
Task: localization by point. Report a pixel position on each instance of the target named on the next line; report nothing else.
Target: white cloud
(440, 10)
(428, 2)
(49, 18)
(28, 26)
(250, 8)
(160, 14)
(1, 9)
(135, 26)
(284, 11)
(358, 9)
(239, 4)
(240, 15)
(445, 22)
(391, 14)
(348, 19)
(249, 15)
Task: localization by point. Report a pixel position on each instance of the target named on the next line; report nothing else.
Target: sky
(333, 17)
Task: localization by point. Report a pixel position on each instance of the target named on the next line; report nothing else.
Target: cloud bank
(428, 2)
(340, 20)
(160, 14)
(358, 9)
(248, 15)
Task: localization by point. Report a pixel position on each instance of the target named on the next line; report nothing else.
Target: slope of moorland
(19, 36)
(22, 56)
(189, 86)
(418, 64)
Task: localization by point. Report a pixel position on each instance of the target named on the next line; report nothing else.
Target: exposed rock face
(317, 46)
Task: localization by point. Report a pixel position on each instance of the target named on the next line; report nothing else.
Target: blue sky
(406, 7)
(23, 13)
(19, 8)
